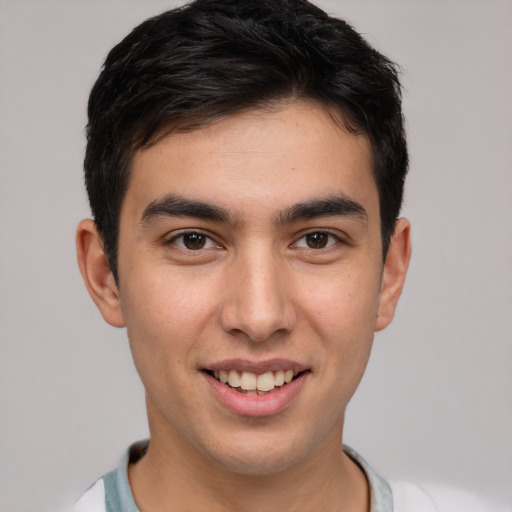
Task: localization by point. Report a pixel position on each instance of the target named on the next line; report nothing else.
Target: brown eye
(194, 241)
(317, 240)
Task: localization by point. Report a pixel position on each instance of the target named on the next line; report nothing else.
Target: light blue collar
(119, 497)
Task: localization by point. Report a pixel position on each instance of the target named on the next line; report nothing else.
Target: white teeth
(288, 376)
(234, 379)
(248, 381)
(265, 382)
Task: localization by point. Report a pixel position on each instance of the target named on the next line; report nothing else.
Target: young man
(245, 167)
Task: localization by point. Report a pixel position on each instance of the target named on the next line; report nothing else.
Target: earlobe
(394, 272)
(96, 273)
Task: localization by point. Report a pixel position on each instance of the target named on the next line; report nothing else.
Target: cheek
(165, 318)
(344, 303)
(343, 313)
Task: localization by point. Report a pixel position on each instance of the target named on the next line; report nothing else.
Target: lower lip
(256, 406)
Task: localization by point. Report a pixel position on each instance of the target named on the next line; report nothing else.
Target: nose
(257, 303)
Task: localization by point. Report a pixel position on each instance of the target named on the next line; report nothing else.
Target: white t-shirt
(112, 492)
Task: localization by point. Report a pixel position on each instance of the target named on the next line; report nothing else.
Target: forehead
(257, 159)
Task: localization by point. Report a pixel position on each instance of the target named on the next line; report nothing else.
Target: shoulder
(93, 500)
(435, 498)
(407, 497)
(112, 492)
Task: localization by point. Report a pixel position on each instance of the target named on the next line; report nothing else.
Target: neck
(173, 477)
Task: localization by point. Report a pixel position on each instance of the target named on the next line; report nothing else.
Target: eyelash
(204, 237)
(207, 240)
(331, 241)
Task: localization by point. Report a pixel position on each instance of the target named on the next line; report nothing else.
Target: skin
(257, 290)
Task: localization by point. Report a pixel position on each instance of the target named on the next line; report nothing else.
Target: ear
(96, 273)
(393, 274)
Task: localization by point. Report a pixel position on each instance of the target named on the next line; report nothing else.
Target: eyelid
(176, 236)
(338, 239)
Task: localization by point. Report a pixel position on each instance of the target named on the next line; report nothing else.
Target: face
(250, 251)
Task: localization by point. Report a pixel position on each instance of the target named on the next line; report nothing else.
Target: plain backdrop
(435, 404)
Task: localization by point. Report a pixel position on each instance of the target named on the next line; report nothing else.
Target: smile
(256, 389)
(250, 383)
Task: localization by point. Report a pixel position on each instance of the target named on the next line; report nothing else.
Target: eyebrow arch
(326, 207)
(173, 205)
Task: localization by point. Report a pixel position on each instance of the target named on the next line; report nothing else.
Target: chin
(256, 465)
(256, 458)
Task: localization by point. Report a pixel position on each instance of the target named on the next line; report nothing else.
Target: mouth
(250, 383)
(256, 389)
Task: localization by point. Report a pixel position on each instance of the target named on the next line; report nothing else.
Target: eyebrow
(326, 207)
(173, 205)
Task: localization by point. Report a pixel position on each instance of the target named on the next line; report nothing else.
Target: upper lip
(258, 367)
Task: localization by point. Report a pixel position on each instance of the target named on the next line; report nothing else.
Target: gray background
(435, 405)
